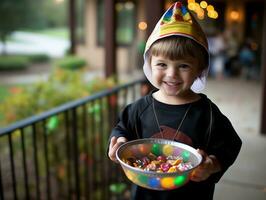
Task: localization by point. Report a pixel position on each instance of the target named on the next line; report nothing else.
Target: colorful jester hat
(177, 20)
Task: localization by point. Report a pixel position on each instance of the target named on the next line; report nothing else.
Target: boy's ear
(199, 73)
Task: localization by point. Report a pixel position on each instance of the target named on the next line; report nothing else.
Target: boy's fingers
(115, 147)
(114, 144)
(203, 154)
(113, 141)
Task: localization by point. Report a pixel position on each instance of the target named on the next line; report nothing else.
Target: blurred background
(56, 54)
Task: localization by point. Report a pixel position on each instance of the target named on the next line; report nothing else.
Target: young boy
(176, 63)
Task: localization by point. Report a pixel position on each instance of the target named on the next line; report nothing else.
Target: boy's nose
(172, 72)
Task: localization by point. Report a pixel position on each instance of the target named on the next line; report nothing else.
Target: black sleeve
(224, 143)
(125, 126)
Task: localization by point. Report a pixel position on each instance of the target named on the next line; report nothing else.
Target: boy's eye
(184, 66)
(161, 64)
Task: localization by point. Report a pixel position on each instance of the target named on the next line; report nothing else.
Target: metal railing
(61, 154)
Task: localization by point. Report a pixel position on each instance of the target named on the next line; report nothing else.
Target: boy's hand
(114, 144)
(209, 165)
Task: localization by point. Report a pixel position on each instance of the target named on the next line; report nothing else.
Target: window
(80, 33)
(125, 22)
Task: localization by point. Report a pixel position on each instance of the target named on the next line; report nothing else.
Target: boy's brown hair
(177, 47)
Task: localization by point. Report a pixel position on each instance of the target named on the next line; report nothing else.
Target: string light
(210, 7)
(201, 8)
(234, 15)
(142, 26)
(203, 4)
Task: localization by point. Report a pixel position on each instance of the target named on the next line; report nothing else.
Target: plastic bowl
(151, 179)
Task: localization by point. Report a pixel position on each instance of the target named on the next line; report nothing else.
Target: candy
(156, 149)
(173, 169)
(168, 150)
(161, 158)
(167, 183)
(179, 180)
(185, 155)
(165, 167)
(160, 163)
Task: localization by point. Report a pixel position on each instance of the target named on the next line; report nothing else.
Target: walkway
(240, 100)
(34, 43)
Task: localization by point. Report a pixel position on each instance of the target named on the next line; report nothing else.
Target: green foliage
(71, 62)
(118, 188)
(13, 62)
(30, 14)
(61, 87)
(55, 13)
(16, 15)
(19, 62)
(58, 32)
(38, 58)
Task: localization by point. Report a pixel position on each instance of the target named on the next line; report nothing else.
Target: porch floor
(240, 101)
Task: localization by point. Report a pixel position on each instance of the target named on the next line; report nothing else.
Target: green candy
(179, 180)
(185, 155)
(143, 179)
(156, 150)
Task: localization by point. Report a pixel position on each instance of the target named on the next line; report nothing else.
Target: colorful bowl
(151, 179)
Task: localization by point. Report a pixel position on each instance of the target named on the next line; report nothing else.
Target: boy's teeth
(171, 83)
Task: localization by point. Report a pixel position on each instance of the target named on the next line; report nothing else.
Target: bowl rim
(160, 141)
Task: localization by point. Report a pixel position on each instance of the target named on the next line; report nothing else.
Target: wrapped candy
(160, 163)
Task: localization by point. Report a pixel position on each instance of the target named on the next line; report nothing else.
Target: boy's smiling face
(174, 77)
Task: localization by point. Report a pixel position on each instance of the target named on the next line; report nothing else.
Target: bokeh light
(203, 4)
(142, 26)
(234, 15)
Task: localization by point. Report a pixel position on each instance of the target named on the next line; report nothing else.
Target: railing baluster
(47, 163)
(24, 160)
(35, 157)
(108, 129)
(90, 152)
(94, 184)
(75, 152)
(1, 184)
(85, 149)
(101, 154)
(111, 120)
(68, 154)
(13, 172)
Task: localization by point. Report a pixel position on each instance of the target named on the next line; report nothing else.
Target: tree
(16, 15)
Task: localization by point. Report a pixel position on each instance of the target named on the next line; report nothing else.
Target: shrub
(71, 62)
(38, 58)
(61, 87)
(14, 62)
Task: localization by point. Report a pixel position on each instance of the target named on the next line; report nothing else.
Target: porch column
(154, 10)
(110, 40)
(72, 25)
(263, 70)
